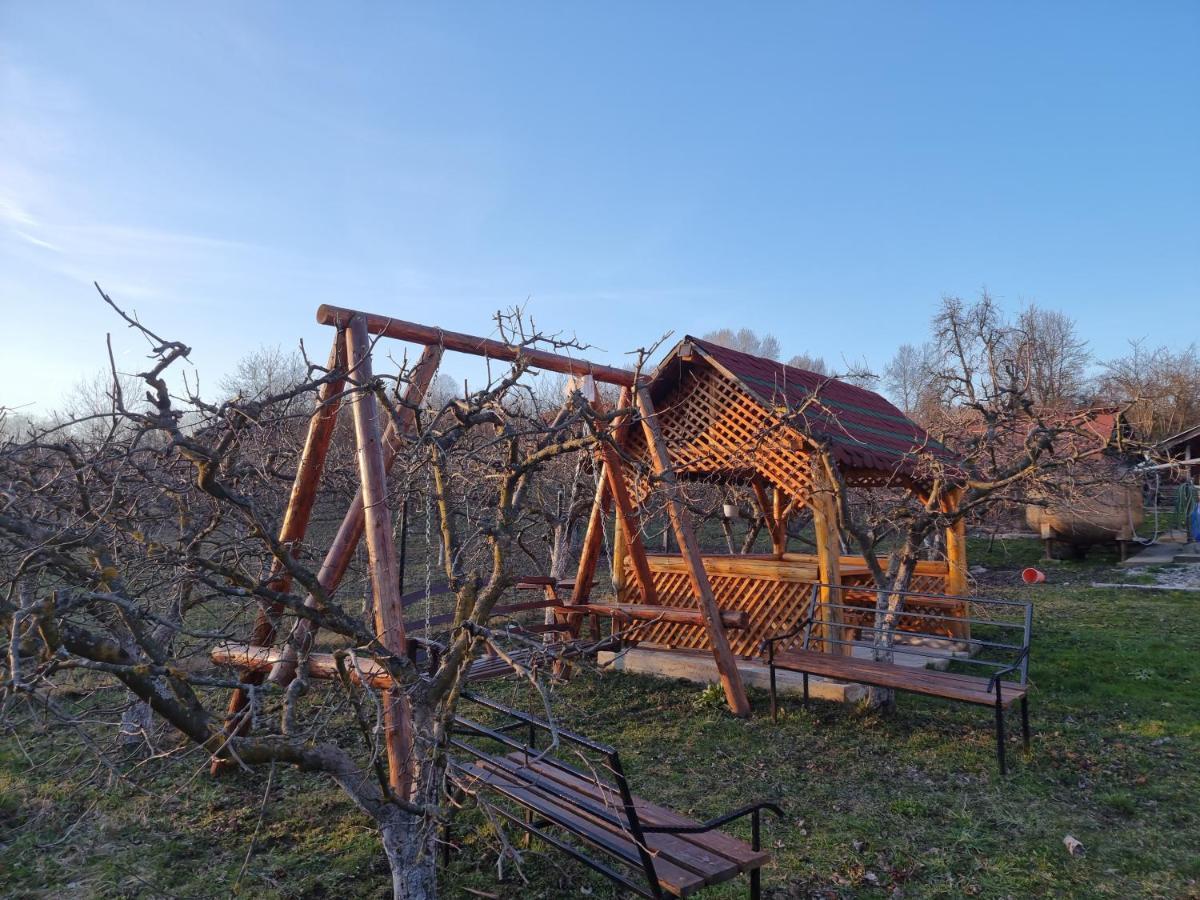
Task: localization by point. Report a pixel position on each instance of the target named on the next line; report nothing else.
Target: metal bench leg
(806, 690)
(756, 843)
(1000, 733)
(774, 698)
(1025, 723)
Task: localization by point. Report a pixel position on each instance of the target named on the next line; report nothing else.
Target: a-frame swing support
(369, 512)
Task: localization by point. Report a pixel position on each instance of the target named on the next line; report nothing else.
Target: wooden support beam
(773, 515)
(629, 529)
(781, 510)
(956, 560)
(252, 658)
(345, 542)
(956, 548)
(296, 517)
(825, 527)
(381, 553)
(620, 552)
(476, 346)
(731, 679)
(680, 615)
(589, 554)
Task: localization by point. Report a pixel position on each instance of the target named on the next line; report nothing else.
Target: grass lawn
(907, 805)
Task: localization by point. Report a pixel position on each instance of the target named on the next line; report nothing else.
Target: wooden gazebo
(716, 414)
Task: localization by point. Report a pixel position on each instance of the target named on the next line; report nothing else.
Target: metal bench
(594, 818)
(1003, 661)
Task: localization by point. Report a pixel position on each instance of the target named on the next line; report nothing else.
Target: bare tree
(1004, 449)
(908, 379)
(1054, 357)
(809, 363)
(747, 341)
(130, 556)
(268, 371)
(1158, 385)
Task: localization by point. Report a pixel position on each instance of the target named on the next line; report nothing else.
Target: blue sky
(825, 172)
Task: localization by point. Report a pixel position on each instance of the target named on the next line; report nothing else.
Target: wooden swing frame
(369, 514)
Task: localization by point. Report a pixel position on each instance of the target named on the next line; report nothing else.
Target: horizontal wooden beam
(476, 346)
(739, 566)
(320, 665)
(644, 612)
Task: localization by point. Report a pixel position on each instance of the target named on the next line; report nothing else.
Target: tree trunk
(408, 843)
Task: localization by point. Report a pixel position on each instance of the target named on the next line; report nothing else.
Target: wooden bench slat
(951, 686)
(674, 879)
(677, 849)
(716, 841)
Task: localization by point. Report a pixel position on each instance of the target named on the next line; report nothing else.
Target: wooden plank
(381, 554)
(965, 688)
(731, 679)
(740, 566)
(716, 841)
(848, 561)
(672, 877)
(730, 618)
(476, 346)
(599, 806)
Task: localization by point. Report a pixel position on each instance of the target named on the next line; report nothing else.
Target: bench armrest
(713, 824)
(1000, 673)
(767, 645)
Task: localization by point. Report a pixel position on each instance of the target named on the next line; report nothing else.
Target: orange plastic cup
(1033, 576)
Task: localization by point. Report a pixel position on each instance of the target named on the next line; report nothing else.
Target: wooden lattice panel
(712, 427)
(926, 582)
(774, 594)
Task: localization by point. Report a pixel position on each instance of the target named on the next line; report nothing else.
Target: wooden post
(381, 552)
(731, 679)
(779, 515)
(341, 549)
(295, 520)
(629, 529)
(956, 560)
(767, 508)
(620, 552)
(825, 527)
(593, 538)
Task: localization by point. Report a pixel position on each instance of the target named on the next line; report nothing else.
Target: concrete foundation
(700, 667)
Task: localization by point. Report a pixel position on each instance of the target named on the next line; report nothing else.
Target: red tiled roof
(863, 430)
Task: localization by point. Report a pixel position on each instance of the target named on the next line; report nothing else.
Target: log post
(341, 549)
(296, 517)
(629, 529)
(956, 559)
(620, 552)
(779, 515)
(593, 538)
(829, 569)
(731, 679)
(381, 552)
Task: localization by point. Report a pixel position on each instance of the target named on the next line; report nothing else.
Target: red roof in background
(863, 429)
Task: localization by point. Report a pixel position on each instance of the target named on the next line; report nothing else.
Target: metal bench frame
(998, 670)
(636, 828)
